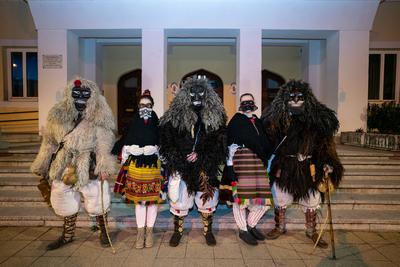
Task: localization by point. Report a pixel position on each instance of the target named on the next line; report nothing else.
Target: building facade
(246, 46)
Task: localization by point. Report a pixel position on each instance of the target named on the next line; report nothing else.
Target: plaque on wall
(52, 62)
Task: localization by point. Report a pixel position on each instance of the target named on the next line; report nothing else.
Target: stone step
(346, 150)
(371, 161)
(11, 169)
(17, 158)
(388, 183)
(33, 129)
(223, 219)
(28, 195)
(20, 138)
(16, 164)
(367, 167)
(18, 116)
(371, 172)
(30, 149)
(370, 177)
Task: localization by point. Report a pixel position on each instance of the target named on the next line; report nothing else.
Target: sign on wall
(52, 61)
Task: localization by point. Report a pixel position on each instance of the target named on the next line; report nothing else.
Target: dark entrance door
(214, 80)
(129, 91)
(270, 84)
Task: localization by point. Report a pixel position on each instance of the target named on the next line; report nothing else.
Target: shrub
(385, 118)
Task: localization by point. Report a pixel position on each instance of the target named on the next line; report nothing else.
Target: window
(22, 69)
(384, 76)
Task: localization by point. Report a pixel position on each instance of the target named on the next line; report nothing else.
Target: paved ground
(25, 246)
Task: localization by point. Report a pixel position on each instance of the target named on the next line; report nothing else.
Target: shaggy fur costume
(94, 134)
(310, 133)
(177, 136)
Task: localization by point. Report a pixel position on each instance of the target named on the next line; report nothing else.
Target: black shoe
(60, 242)
(247, 238)
(255, 233)
(175, 239)
(210, 239)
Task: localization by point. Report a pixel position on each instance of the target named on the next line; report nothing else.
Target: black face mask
(197, 95)
(81, 95)
(296, 103)
(246, 106)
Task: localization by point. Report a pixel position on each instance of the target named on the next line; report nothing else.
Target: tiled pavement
(25, 246)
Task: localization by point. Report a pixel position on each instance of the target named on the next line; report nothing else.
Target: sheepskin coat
(94, 134)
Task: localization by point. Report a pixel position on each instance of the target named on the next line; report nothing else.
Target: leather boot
(280, 224)
(178, 231)
(311, 224)
(248, 238)
(207, 229)
(67, 234)
(140, 238)
(149, 237)
(256, 233)
(101, 224)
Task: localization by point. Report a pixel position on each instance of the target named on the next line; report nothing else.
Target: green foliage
(385, 118)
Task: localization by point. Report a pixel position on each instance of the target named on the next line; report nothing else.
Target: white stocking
(140, 213)
(151, 215)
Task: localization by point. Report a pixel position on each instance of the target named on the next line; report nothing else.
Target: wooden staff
(327, 180)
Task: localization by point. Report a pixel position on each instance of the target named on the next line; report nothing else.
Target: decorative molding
(383, 45)
(19, 42)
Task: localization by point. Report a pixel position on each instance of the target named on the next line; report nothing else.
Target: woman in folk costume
(75, 157)
(143, 180)
(245, 172)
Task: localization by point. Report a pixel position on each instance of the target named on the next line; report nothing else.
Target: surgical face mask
(197, 95)
(247, 106)
(81, 95)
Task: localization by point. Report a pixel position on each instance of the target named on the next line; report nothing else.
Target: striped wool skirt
(252, 186)
(143, 184)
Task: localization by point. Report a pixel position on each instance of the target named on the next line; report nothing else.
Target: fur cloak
(310, 133)
(177, 137)
(93, 135)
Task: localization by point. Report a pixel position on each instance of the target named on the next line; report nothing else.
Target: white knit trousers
(255, 214)
(145, 215)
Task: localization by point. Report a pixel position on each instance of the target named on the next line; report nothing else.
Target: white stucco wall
(283, 60)
(244, 20)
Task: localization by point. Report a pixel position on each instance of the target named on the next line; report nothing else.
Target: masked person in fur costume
(192, 142)
(142, 184)
(75, 156)
(306, 153)
(245, 171)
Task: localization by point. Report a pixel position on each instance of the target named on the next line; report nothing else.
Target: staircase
(18, 127)
(368, 197)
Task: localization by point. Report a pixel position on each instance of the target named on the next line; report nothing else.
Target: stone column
(249, 60)
(154, 66)
(353, 79)
(52, 77)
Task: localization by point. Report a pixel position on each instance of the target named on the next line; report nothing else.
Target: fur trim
(213, 114)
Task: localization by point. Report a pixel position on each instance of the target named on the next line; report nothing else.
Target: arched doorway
(213, 79)
(129, 91)
(270, 84)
